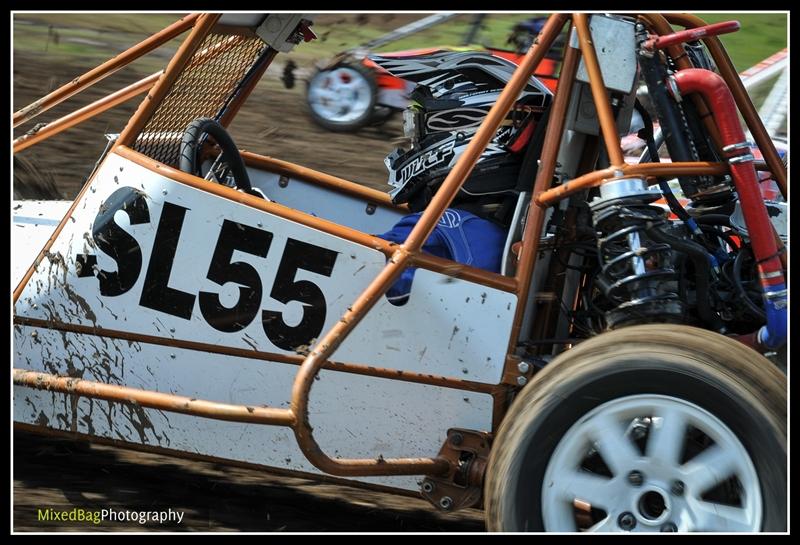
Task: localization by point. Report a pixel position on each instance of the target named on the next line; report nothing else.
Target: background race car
(351, 91)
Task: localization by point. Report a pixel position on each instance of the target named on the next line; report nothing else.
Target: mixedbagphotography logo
(79, 516)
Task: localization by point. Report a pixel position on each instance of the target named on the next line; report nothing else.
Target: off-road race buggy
(350, 91)
(624, 371)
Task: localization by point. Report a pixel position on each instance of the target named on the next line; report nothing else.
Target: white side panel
(448, 324)
(192, 223)
(449, 327)
(33, 223)
(352, 415)
(324, 203)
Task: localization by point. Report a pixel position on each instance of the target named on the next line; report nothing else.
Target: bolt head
(522, 381)
(626, 521)
(446, 503)
(636, 478)
(677, 488)
(523, 367)
(427, 487)
(456, 438)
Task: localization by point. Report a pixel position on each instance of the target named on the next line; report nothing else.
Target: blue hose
(773, 335)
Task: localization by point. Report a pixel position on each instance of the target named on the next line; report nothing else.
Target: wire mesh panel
(201, 90)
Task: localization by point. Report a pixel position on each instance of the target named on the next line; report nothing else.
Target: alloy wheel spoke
(594, 489)
(709, 468)
(665, 441)
(615, 447)
(608, 524)
(716, 517)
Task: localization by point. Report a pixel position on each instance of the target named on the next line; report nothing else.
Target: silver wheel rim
(341, 95)
(672, 491)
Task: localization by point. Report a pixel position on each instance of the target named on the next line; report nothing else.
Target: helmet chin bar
(455, 91)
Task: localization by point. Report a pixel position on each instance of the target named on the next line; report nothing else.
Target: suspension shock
(636, 275)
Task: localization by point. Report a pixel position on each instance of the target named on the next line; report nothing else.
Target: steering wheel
(228, 164)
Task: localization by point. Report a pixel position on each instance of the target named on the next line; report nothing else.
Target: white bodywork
(449, 328)
(34, 222)
(321, 202)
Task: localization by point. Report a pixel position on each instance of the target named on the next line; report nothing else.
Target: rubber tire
(230, 153)
(728, 379)
(367, 118)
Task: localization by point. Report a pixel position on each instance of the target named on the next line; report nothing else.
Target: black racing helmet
(454, 92)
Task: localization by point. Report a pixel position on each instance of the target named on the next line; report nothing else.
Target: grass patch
(93, 39)
(137, 23)
(761, 35)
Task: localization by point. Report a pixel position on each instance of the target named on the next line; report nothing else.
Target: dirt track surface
(62, 474)
(273, 122)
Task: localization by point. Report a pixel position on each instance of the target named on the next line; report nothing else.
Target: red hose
(719, 98)
(691, 34)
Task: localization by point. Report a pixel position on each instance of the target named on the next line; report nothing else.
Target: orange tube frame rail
(602, 104)
(742, 99)
(87, 112)
(123, 95)
(104, 70)
(409, 253)
(155, 400)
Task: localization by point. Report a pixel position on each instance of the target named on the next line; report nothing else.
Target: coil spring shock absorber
(636, 273)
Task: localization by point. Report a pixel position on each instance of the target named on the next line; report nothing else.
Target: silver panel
(615, 43)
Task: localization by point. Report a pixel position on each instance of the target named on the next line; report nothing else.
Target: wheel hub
(653, 506)
(340, 95)
(649, 481)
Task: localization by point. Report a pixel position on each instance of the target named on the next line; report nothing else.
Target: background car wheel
(342, 98)
(644, 429)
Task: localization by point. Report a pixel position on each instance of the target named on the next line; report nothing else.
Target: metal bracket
(462, 486)
(282, 31)
(739, 146)
(746, 158)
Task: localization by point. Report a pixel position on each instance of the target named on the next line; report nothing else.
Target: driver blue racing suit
(459, 235)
